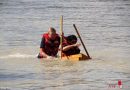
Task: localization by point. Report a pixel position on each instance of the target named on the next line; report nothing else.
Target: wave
(18, 55)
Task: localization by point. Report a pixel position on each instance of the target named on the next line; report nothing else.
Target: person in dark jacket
(70, 46)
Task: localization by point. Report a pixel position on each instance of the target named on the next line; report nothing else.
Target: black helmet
(71, 39)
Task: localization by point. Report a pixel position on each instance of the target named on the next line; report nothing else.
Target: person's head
(52, 32)
(71, 39)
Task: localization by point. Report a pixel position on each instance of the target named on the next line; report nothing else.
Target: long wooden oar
(81, 41)
(61, 33)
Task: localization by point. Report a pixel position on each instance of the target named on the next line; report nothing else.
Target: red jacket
(50, 46)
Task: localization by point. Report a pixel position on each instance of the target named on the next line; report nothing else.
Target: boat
(79, 57)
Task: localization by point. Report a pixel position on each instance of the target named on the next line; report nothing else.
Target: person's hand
(59, 49)
(50, 57)
(41, 53)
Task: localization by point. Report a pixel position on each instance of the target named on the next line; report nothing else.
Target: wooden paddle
(81, 41)
(61, 33)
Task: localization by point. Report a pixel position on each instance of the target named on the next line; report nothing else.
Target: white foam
(18, 55)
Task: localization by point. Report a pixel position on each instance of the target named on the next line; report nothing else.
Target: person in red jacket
(49, 44)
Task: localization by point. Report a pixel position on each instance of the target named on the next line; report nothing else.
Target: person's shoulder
(45, 35)
(64, 43)
(57, 34)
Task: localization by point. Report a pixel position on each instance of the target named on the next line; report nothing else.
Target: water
(103, 24)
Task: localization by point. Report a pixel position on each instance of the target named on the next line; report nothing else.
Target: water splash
(18, 55)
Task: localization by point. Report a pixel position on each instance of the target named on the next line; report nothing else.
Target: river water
(104, 26)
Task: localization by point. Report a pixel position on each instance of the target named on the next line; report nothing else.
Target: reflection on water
(31, 73)
(103, 25)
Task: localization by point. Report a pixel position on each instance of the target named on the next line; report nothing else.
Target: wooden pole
(61, 33)
(81, 41)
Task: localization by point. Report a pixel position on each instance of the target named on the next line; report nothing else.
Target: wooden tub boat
(79, 57)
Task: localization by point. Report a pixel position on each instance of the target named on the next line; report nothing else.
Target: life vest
(51, 45)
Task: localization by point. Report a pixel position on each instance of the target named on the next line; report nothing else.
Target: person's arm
(70, 46)
(42, 53)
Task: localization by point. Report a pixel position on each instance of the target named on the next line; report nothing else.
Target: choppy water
(104, 26)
